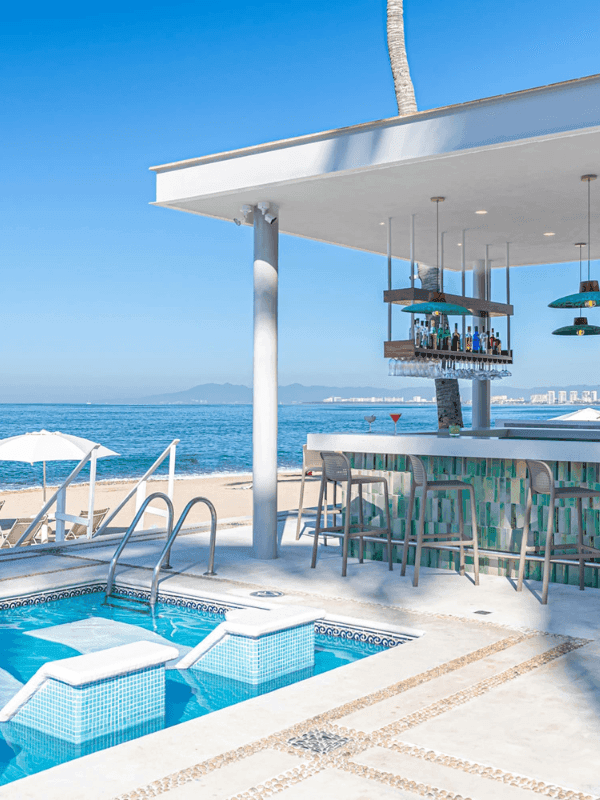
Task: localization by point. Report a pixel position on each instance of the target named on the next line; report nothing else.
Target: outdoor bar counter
(494, 462)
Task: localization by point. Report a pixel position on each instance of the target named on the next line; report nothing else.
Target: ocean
(215, 439)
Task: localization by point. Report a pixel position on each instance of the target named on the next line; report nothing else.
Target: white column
(264, 408)
(481, 389)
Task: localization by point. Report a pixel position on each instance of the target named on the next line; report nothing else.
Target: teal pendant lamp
(579, 327)
(588, 295)
(437, 307)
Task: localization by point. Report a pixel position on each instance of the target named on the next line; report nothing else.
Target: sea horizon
(215, 439)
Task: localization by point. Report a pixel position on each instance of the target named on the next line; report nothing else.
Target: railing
(60, 498)
(113, 562)
(166, 552)
(139, 490)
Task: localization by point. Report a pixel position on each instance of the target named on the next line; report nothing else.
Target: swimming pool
(189, 693)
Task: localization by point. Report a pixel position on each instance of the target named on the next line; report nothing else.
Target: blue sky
(105, 296)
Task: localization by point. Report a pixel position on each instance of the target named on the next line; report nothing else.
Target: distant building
(562, 397)
(594, 397)
(539, 399)
(573, 397)
(551, 398)
(586, 396)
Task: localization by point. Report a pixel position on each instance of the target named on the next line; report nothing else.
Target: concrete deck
(498, 705)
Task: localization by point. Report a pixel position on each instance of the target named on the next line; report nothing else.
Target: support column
(481, 389)
(264, 402)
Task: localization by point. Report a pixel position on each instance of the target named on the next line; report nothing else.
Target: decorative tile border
(52, 594)
(364, 635)
(329, 628)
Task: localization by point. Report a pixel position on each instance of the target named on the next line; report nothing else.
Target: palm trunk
(447, 393)
(405, 93)
(446, 389)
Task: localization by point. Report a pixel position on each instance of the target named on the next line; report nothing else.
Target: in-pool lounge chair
(10, 537)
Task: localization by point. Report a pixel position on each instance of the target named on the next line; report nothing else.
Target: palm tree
(447, 391)
(405, 92)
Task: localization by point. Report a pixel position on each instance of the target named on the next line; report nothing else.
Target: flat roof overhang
(519, 157)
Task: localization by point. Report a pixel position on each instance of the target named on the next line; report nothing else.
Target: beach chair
(78, 530)
(9, 538)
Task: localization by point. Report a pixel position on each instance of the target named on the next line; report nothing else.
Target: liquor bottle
(497, 346)
(446, 337)
(491, 340)
(433, 336)
(476, 341)
(483, 340)
(417, 333)
(468, 341)
(455, 346)
(440, 336)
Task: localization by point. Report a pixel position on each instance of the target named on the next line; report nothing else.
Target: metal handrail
(134, 489)
(166, 552)
(130, 530)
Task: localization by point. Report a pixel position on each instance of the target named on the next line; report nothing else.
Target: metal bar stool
(312, 462)
(419, 481)
(336, 469)
(541, 481)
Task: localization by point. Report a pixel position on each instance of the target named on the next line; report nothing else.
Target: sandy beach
(230, 494)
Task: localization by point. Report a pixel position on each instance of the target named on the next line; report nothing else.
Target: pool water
(189, 693)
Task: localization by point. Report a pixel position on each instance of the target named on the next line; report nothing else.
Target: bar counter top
(539, 444)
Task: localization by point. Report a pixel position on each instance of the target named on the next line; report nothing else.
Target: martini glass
(395, 418)
(370, 420)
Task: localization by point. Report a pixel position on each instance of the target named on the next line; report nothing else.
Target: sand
(230, 494)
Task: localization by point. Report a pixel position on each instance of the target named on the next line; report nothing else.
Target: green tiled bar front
(500, 494)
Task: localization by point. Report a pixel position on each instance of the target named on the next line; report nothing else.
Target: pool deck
(498, 705)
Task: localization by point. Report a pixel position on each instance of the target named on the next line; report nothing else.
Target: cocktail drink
(395, 418)
(370, 419)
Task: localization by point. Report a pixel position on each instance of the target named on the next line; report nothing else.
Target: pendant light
(579, 327)
(589, 292)
(437, 305)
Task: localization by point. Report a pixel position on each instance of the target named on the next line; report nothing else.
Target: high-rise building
(586, 396)
(594, 397)
(573, 397)
(562, 397)
(551, 398)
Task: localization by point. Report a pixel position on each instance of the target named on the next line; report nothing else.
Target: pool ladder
(165, 556)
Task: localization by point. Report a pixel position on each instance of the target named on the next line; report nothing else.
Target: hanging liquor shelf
(454, 345)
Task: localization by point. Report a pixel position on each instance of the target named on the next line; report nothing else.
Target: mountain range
(229, 393)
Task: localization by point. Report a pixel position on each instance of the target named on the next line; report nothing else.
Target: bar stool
(336, 469)
(541, 481)
(312, 462)
(419, 481)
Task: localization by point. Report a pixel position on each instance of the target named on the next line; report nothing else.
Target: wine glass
(395, 418)
(370, 419)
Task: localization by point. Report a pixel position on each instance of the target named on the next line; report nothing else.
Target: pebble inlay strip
(484, 771)
(361, 741)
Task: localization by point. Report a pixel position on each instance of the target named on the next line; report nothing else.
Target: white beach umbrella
(48, 446)
(584, 414)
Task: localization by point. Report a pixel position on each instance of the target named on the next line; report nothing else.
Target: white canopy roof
(584, 415)
(519, 157)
